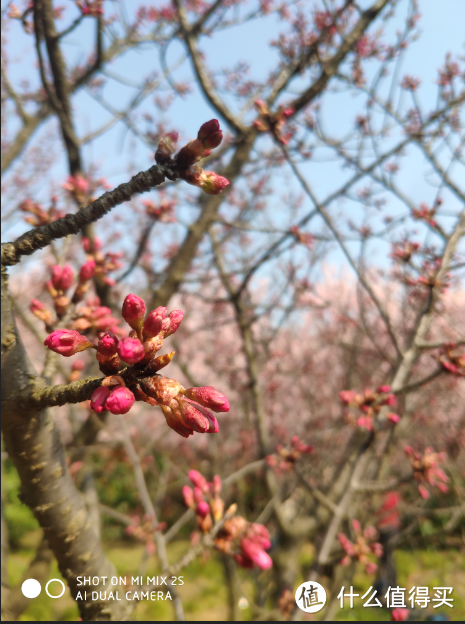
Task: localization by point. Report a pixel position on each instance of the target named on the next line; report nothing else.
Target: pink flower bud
(175, 319)
(198, 480)
(131, 350)
(36, 306)
(87, 271)
(202, 509)
(256, 554)
(198, 495)
(188, 496)
(199, 412)
(67, 342)
(357, 527)
(347, 396)
(62, 277)
(120, 400)
(371, 567)
(210, 134)
(107, 343)
(153, 322)
(134, 311)
(193, 418)
(208, 397)
(423, 492)
(217, 484)
(213, 183)
(98, 399)
(400, 615)
(78, 365)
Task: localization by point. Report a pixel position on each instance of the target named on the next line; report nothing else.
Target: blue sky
(116, 153)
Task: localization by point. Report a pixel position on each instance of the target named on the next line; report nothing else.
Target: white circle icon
(31, 588)
(310, 597)
(62, 588)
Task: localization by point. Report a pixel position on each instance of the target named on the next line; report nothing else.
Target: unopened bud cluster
(370, 403)
(186, 410)
(426, 470)
(364, 546)
(246, 542)
(285, 458)
(38, 215)
(209, 136)
(274, 123)
(452, 360)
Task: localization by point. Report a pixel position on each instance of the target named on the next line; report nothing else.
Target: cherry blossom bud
(371, 567)
(208, 397)
(38, 309)
(217, 484)
(199, 411)
(198, 495)
(134, 311)
(67, 342)
(193, 418)
(152, 324)
(120, 400)
(400, 615)
(213, 183)
(256, 554)
(78, 365)
(98, 399)
(171, 323)
(198, 480)
(202, 509)
(131, 350)
(107, 343)
(62, 277)
(87, 271)
(188, 496)
(210, 134)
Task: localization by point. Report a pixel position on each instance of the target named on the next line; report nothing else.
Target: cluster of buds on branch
(370, 403)
(304, 238)
(163, 212)
(104, 263)
(426, 470)
(366, 544)
(268, 122)
(39, 216)
(285, 458)
(185, 410)
(94, 318)
(90, 8)
(426, 214)
(61, 281)
(403, 251)
(246, 542)
(451, 360)
(209, 136)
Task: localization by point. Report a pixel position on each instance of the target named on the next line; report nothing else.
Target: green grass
(204, 594)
